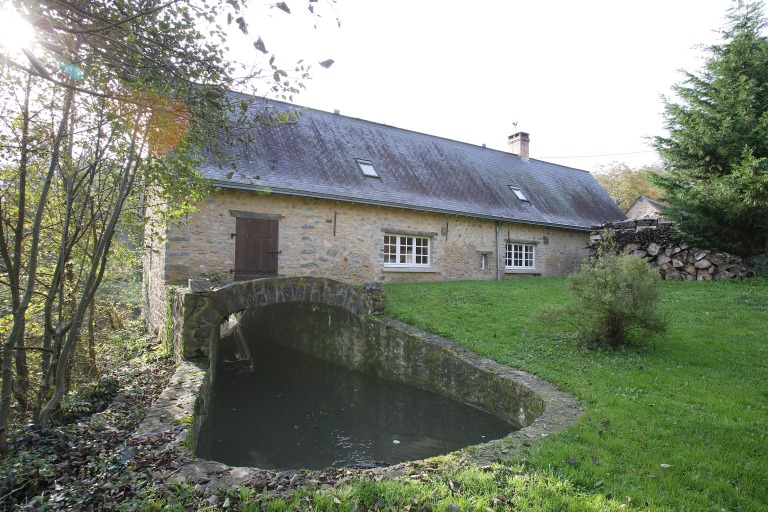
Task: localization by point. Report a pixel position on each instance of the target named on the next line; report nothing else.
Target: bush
(615, 299)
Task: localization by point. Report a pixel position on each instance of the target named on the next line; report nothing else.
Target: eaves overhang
(389, 204)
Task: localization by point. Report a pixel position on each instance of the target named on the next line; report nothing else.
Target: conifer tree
(716, 153)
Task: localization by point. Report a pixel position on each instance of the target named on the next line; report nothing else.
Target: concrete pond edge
(175, 410)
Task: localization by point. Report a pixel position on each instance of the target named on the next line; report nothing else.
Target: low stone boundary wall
(658, 242)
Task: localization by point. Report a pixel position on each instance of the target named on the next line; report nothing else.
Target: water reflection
(279, 408)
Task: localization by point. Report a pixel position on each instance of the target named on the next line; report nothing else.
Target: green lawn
(694, 400)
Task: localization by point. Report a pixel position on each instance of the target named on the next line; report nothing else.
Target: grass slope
(679, 423)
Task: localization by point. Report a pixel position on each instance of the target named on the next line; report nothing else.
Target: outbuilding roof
(331, 156)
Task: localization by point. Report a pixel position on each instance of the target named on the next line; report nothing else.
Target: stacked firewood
(658, 242)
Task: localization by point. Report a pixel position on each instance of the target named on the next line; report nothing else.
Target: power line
(593, 156)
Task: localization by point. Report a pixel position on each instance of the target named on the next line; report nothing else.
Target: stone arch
(197, 316)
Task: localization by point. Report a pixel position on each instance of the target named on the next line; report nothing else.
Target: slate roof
(657, 205)
(316, 157)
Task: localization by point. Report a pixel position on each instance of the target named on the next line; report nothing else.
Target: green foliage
(716, 177)
(615, 300)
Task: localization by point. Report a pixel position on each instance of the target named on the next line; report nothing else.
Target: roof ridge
(410, 130)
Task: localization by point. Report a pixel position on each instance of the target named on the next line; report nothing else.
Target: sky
(583, 78)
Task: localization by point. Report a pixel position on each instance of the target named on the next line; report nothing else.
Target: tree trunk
(92, 366)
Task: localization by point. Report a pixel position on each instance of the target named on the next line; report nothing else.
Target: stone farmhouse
(358, 201)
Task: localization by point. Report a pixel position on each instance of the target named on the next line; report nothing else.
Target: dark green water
(283, 409)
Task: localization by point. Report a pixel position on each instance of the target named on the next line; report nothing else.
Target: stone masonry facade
(345, 241)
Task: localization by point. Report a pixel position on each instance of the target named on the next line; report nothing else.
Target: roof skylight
(519, 193)
(367, 168)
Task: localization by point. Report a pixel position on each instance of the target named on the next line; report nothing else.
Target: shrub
(615, 298)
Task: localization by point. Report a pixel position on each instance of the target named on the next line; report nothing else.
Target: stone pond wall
(394, 351)
(198, 315)
(339, 324)
(352, 335)
(658, 242)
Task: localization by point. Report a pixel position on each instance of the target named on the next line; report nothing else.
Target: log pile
(658, 242)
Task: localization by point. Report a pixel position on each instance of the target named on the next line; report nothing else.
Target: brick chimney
(518, 144)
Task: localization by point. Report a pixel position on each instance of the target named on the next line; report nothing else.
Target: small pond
(272, 406)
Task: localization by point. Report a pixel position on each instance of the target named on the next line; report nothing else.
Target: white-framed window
(406, 251)
(520, 256)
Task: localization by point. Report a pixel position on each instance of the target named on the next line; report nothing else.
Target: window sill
(521, 271)
(409, 269)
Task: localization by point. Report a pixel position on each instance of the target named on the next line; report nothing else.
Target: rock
(703, 263)
(701, 255)
(630, 248)
(678, 263)
(653, 249)
(200, 285)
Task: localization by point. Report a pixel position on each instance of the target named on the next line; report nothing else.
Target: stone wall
(345, 241)
(198, 316)
(658, 242)
(394, 350)
(340, 324)
(154, 290)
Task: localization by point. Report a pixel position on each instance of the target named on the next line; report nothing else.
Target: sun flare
(15, 32)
